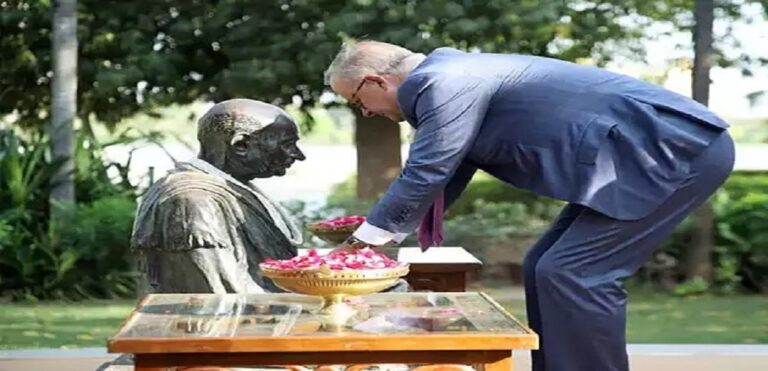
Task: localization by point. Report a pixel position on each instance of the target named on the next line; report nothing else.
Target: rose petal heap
(341, 223)
(340, 260)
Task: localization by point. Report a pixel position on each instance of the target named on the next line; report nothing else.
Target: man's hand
(352, 243)
(344, 246)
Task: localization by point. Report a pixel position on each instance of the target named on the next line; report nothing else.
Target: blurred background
(120, 98)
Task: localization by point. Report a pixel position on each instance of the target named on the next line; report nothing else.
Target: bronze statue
(205, 227)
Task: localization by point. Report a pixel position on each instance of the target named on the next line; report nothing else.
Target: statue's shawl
(199, 206)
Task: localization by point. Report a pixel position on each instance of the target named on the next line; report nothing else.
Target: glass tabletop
(287, 315)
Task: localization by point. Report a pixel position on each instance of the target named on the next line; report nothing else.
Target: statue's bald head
(244, 137)
(236, 115)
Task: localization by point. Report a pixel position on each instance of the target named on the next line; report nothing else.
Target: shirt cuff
(399, 237)
(373, 235)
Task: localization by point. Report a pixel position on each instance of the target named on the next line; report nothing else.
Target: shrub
(87, 257)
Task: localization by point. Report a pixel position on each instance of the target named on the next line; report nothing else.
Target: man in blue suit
(631, 159)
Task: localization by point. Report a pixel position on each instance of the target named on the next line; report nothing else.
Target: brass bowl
(333, 235)
(335, 285)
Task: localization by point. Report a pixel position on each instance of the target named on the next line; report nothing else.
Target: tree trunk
(378, 155)
(698, 258)
(64, 103)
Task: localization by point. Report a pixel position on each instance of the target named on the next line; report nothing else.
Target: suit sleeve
(449, 111)
(458, 183)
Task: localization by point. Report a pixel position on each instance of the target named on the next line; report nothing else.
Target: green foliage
(344, 197)
(496, 231)
(500, 219)
(742, 234)
(740, 185)
(485, 188)
(101, 238)
(303, 215)
(25, 173)
(741, 251)
(89, 256)
(696, 286)
(136, 56)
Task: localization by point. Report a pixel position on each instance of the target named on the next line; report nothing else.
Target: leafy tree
(139, 55)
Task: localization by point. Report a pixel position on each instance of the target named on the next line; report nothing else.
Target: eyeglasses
(353, 101)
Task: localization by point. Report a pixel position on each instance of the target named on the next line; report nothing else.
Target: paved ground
(643, 357)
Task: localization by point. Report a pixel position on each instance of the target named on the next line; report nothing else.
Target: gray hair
(356, 59)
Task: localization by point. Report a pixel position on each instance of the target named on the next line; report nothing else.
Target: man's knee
(555, 278)
(599, 294)
(549, 272)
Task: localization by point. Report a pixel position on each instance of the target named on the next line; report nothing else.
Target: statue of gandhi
(204, 227)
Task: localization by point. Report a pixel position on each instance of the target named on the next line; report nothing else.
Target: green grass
(660, 318)
(653, 318)
(60, 325)
(706, 319)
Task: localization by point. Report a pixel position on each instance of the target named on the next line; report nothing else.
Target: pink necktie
(431, 228)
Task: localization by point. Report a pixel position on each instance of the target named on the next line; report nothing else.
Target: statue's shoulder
(187, 178)
(184, 184)
(194, 194)
(182, 211)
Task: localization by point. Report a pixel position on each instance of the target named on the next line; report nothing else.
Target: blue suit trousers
(573, 274)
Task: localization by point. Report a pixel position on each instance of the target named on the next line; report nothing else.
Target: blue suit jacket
(580, 134)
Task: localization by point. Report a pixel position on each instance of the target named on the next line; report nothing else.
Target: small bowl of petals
(335, 231)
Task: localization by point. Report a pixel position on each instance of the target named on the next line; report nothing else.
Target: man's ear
(239, 143)
(376, 79)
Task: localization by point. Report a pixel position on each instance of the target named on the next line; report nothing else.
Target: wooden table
(439, 269)
(231, 330)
